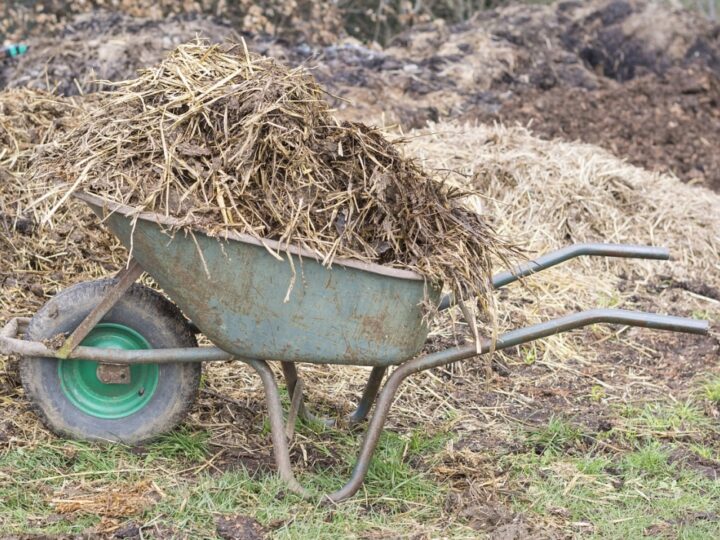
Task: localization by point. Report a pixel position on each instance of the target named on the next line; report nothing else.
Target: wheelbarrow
(112, 360)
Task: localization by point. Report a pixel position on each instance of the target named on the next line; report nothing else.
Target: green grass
(712, 390)
(625, 483)
(397, 495)
(626, 498)
(554, 438)
(663, 420)
(182, 443)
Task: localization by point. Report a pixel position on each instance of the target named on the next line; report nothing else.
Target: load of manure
(27, 118)
(226, 140)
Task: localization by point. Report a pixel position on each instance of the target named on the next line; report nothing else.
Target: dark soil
(709, 468)
(103, 46)
(637, 77)
(668, 122)
(239, 527)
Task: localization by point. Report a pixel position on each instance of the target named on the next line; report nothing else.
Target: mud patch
(667, 123)
(239, 527)
(709, 468)
(233, 459)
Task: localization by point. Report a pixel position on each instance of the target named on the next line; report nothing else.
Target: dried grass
(36, 263)
(120, 501)
(226, 140)
(27, 118)
(547, 194)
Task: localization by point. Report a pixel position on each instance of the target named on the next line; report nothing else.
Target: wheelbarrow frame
(281, 431)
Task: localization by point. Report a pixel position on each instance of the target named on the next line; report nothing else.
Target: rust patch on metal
(113, 373)
(374, 328)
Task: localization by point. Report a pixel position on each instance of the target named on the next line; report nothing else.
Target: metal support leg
(371, 389)
(369, 393)
(277, 427)
(291, 379)
(375, 429)
(294, 410)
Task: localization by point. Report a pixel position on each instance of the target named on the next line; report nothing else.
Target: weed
(555, 437)
(712, 390)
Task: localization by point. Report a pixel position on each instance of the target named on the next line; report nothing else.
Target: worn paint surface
(234, 292)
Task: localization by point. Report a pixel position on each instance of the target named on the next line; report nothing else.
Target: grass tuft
(554, 438)
(184, 443)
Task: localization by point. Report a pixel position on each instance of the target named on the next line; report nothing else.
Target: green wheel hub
(82, 387)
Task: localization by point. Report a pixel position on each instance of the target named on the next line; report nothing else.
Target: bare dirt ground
(637, 78)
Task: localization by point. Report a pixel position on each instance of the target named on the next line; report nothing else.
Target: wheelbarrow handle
(510, 339)
(576, 250)
(565, 254)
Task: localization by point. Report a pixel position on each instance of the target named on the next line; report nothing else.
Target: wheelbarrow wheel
(68, 395)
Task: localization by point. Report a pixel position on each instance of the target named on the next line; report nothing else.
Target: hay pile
(27, 118)
(37, 262)
(548, 194)
(229, 141)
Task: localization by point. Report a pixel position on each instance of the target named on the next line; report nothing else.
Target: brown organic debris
(226, 140)
(35, 261)
(123, 500)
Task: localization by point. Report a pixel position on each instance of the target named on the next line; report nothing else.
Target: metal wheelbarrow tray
(237, 294)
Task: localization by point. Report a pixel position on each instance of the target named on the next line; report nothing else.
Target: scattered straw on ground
(123, 500)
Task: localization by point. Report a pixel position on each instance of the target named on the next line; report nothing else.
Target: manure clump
(225, 140)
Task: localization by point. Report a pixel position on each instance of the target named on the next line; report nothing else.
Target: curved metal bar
(564, 254)
(516, 337)
(13, 327)
(277, 426)
(369, 393)
(36, 349)
(291, 379)
(570, 252)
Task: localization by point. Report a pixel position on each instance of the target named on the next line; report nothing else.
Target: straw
(228, 140)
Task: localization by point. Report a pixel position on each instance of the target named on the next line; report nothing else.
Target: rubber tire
(147, 312)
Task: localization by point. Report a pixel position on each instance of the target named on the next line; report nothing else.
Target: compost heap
(226, 140)
(36, 261)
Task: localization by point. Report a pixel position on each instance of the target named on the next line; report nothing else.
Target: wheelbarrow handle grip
(565, 254)
(597, 316)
